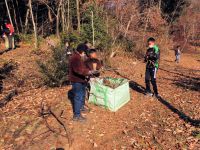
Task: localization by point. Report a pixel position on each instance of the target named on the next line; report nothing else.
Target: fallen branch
(7, 68)
(8, 98)
(47, 112)
(4, 51)
(59, 121)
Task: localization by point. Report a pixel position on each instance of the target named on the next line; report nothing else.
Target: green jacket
(152, 57)
(157, 52)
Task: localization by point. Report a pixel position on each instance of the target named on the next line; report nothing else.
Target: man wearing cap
(78, 73)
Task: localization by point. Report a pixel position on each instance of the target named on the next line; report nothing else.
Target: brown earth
(171, 122)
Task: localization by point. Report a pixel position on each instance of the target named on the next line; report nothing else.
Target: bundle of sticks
(110, 84)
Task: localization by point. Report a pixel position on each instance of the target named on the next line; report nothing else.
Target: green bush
(73, 38)
(55, 70)
(102, 38)
(127, 44)
(26, 38)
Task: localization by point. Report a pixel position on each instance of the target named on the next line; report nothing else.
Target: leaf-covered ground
(171, 122)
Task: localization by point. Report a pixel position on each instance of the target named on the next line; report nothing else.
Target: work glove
(93, 72)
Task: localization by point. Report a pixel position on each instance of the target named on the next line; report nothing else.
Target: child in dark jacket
(152, 58)
(92, 62)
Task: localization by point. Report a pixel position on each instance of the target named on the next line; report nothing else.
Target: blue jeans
(78, 102)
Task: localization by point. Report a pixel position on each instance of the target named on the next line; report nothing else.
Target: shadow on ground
(136, 87)
(5, 51)
(181, 114)
(140, 89)
(179, 73)
(70, 96)
(188, 83)
(185, 81)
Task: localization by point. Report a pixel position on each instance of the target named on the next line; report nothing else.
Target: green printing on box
(112, 99)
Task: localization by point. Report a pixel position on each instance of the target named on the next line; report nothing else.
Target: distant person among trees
(152, 64)
(78, 73)
(67, 48)
(178, 54)
(8, 35)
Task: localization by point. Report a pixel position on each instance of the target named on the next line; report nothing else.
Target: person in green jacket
(152, 58)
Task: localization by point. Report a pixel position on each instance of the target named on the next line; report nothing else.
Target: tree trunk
(128, 25)
(160, 4)
(63, 17)
(8, 12)
(107, 23)
(78, 15)
(68, 15)
(20, 19)
(34, 25)
(36, 16)
(15, 17)
(50, 15)
(146, 25)
(58, 19)
(93, 34)
(26, 21)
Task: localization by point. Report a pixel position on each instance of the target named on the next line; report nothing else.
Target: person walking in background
(78, 74)
(177, 54)
(8, 35)
(152, 64)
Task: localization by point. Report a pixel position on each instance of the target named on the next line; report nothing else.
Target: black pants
(150, 75)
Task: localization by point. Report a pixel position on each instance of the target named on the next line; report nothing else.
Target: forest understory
(171, 122)
(35, 111)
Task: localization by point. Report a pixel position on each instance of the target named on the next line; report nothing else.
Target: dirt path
(170, 122)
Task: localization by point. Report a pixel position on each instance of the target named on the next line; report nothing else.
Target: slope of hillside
(171, 122)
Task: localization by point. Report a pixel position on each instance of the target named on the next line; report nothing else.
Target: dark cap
(151, 39)
(82, 48)
(91, 51)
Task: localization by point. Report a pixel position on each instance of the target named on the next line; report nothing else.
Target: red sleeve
(79, 67)
(10, 27)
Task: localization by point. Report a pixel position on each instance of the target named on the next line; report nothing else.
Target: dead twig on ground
(8, 98)
(46, 112)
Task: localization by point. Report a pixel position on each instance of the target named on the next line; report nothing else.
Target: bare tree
(93, 34)
(8, 12)
(15, 17)
(34, 25)
(58, 18)
(19, 15)
(26, 21)
(68, 15)
(78, 15)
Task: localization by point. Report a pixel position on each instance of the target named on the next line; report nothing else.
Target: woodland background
(35, 111)
(114, 21)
